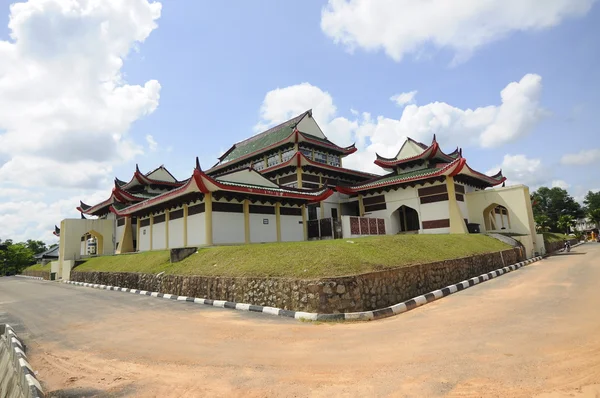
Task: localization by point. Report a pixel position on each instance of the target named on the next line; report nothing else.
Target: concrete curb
(24, 383)
(353, 316)
(31, 277)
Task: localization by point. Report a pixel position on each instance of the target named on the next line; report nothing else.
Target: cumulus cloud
(560, 184)
(519, 169)
(486, 126)
(404, 98)
(65, 106)
(582, 158)
(152, 144)
(401, 27)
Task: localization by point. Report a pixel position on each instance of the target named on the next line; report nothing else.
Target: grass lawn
(556, 237)
(304, 259)
(38, 267)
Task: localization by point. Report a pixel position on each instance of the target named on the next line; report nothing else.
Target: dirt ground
(532, 333)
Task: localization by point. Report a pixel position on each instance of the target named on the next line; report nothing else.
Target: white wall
(176, 233)
(309, 126)
(161, 175)
(228, 228)
(463, 210)
(144, 238)
(260, 232)
(196, 230)
(158, 236)
(291, 229)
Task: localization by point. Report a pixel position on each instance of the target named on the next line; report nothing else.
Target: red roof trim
(347, 150)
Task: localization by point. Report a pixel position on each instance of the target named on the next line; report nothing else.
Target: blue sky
(216, 61)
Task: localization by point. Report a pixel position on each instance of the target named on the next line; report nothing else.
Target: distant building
(288, 184)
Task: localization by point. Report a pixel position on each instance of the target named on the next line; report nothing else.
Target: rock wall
(40, 274)
(327, 295)
(552, 247)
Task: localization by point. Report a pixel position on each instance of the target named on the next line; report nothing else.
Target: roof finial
(434, 137)
(198, 164)
(460, 152)
(137, 168)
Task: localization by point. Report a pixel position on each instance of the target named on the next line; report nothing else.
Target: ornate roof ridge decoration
(300, 160)
(457, 167)
(293, 137)
(203, 183)
(56, 231)
(429, 152)
(143, 179)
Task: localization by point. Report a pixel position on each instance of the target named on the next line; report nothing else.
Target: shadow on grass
(91, 393)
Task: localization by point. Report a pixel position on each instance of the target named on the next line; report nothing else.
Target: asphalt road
(531, 333)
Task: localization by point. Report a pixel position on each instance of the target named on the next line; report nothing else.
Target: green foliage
(542, 223)
(36, 246)
(565, 222)
(304, 259)
(592, 201)
(594, 215)
(554, 203)
(14, 257)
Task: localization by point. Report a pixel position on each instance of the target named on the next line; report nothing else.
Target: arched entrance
(92, 244)
(408, 219)
(496, 217)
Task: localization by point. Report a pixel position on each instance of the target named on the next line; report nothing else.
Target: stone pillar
(457, 221)
(167, 228)
(126, 238)
(137, 235)
(361, 207)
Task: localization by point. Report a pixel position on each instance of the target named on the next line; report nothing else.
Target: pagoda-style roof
(298, 159)
(288, 132)
(48, 254)
(247, 182)
(458, 168)
(158, 177)
(413, 153)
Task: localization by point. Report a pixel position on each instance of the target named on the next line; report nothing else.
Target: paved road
(531, 333)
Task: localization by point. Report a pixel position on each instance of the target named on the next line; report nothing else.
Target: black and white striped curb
(353, 316)
(12, 351)
(31, 277)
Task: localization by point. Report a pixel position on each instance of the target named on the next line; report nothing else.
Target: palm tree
(565, 222)
(594, 216)
(542, 223)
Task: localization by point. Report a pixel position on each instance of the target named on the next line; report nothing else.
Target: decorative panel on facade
(364, 225)
(381, 226)
(354, 226)
(372, 226)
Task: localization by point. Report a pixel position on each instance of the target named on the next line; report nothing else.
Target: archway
(496, 217)
(408, 219)
(99, 243)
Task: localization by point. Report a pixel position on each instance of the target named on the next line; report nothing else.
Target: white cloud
(519, 169)
(560, 184)
(486, 126)
(401, 27)
(404, 98)
(582, 158)
(65, 107)
(152, 144)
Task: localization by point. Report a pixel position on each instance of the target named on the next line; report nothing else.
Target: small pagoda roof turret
(412, 153)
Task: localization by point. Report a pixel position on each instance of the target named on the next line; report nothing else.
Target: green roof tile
(263, 140)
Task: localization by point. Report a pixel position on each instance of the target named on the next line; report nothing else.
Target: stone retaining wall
(552, 247)
(327, 295)
(39, 274)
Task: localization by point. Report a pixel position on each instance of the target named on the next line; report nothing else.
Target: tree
(36, 246)
(565, 222)
(592, 201)
(554, 203)
(594, 215)
(542, 223)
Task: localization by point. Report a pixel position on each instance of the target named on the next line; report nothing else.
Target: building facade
(288, 184)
